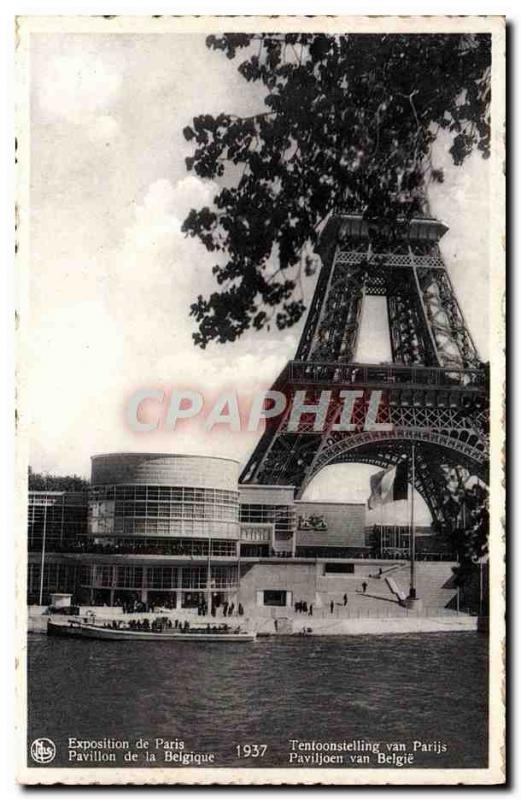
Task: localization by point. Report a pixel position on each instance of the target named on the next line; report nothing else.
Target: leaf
(347, 123)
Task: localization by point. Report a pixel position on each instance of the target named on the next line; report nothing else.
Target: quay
(294, 625)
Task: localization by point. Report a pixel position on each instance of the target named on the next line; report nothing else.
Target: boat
(123, 632)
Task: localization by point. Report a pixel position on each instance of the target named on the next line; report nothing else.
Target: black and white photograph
(260, 388)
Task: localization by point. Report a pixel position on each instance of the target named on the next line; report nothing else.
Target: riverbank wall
(294, 625)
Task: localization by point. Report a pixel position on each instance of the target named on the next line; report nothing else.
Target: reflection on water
(215, 696)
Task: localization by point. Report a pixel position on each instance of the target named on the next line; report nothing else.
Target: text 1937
(251, 750)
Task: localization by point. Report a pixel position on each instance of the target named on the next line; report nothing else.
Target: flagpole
(412, 591)
(381, 527)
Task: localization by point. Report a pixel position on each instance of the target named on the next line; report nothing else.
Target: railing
(394, 611)
(390, 260)
(143, 549)
(403, 553)
(185, 552)
(328, 372)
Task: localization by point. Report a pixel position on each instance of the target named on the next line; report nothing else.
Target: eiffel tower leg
(435, 392)
(454, 343)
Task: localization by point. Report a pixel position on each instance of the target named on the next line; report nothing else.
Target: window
(162, 577)
(331, 567)
(224, 548)
(275, 597)
(224, 577)
(103, 576)
(254, 550)
(129, 577)
(194, 578)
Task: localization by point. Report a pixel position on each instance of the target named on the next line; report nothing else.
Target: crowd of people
(163, 624)
(303, 607)
(226, 609)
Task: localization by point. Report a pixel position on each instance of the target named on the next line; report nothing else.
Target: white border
(303, 7)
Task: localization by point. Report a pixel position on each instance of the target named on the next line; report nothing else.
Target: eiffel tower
(434, 393)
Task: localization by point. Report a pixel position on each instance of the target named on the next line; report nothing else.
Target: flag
(388, 485)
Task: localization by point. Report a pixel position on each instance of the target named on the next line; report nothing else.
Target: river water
(370, 690)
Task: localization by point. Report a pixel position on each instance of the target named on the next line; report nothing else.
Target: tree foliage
(467, 507)
(43, 482)
(348, 122)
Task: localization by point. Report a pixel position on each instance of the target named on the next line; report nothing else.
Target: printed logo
(43, 750)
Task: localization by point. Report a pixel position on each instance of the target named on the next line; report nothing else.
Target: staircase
(434, 587)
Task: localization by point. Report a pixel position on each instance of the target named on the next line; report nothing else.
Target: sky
(112, 276)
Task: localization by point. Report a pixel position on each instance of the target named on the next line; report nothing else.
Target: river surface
(211, 697)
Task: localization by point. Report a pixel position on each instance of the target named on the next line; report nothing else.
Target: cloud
(102, 128)
(134, 331)
(80, 91)
(157, 274)
(462, 202)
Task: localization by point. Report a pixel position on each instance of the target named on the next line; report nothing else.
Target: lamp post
(42, 563)
(209, 576)
(412, 589)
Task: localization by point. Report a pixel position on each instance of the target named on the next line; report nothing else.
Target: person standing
(331, 606)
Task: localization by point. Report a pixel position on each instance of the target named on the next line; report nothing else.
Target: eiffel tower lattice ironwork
(434, 393)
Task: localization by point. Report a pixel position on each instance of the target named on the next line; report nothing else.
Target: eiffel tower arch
(434, 392)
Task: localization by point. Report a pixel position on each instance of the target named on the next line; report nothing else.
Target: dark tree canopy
(43, 482)
(348, 123)
(467, 508)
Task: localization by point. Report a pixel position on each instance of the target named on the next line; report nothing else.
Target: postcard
(260, 398)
